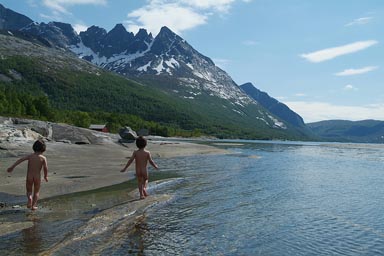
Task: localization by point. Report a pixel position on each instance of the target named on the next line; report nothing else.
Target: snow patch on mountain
(196, 73)
(172, 62)
(238, 112)
(115, 61)
(262, 119)
(85, 52)
(145, 67)
(277, 123)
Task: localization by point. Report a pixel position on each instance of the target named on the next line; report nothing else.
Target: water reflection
(32, 237)
(290, 200)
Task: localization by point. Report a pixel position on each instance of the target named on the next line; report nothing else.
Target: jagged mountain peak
(66, 27)
(166, 61)
(143, 35)
(166, 32)
(12, 20)
(119, 28)
(119, 33)
(67, 30)
(58, 34)
(94, 31)
(168, 42)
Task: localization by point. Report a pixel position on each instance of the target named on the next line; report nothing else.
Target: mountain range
(364, 131)
(166, 63)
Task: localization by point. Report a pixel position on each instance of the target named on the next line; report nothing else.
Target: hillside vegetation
(82, 98)
(366, 131)
(49, 84)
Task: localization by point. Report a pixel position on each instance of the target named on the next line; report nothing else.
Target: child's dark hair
(141, 142)
(39, 146)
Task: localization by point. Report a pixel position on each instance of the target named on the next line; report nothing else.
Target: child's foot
(34, 208)
(145, 193)
(29, 204)
(142, 197)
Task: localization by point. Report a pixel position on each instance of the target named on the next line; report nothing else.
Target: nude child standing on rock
(36, 162)
(141, 158)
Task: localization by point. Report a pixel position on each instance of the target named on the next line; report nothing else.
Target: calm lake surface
(263, 198)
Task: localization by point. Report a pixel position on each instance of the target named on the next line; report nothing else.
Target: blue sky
(324, 59)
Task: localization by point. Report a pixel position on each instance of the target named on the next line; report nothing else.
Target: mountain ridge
(12, 20)
(273, 105)
(167, 62)
(363, 131)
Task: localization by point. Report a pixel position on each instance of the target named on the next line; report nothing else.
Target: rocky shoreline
(78, 159)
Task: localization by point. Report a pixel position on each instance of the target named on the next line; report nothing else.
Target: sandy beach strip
(74, 168)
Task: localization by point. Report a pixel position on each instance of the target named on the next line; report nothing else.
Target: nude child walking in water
(36, 162)
(141, 158)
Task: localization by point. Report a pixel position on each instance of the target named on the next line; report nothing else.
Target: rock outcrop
(14, 131)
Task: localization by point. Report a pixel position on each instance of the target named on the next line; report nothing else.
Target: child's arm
(45, 167)
(152, 162)
(10, 169)
(129, 162)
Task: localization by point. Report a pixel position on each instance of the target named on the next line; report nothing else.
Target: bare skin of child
(36, 162)
(141, 158)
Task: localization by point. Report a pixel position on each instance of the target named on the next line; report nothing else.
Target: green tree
(43, 107)
(3, 102)
(81, 119)
(28, 102)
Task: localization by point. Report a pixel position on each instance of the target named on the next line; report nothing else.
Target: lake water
(264, 198)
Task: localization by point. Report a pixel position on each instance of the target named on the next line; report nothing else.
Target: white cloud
(350, 87)
(61, 5)
(249, 42)
(300, 94)
(178, 15)
(350, 72)
(359, 21)
(154, 16)
(319, 111)
(79, 28)
(330, 53)
(218, 5)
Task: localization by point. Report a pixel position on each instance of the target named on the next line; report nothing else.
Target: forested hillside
(82, 98)
(366, 131)
(42, 82)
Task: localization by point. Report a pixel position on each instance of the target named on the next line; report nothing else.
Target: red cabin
(99, 127)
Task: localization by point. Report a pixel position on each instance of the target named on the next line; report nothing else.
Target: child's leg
(29, 185)
(140, 186)
(36, 193)
(145, 188)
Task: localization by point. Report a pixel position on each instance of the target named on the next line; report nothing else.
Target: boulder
(75, 135)
(40, 127)
(17, 131)
(127, 134)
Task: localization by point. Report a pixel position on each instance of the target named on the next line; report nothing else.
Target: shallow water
(265, 198)
(274, 199)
